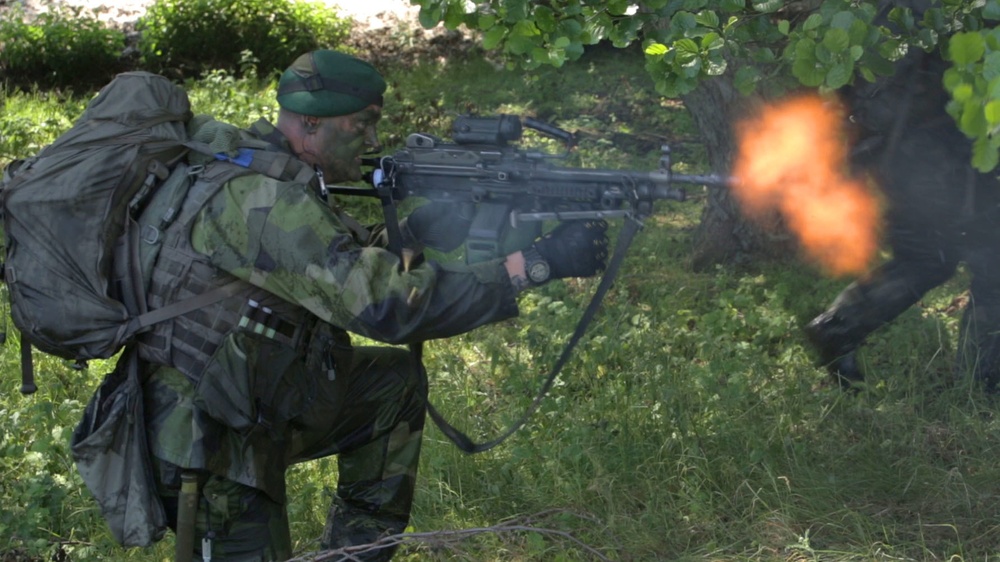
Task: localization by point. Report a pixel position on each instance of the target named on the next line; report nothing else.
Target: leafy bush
(190, 37)
(58, 48)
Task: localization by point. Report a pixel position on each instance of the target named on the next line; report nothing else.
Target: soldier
(940, 212)
(238, 391)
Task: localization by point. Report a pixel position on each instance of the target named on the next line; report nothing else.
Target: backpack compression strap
(137, 324)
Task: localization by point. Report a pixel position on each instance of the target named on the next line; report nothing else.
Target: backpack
(81, 221)
(72, 264)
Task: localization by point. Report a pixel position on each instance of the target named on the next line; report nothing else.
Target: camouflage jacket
(288, 245)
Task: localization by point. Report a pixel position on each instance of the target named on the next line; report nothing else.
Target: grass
(691, 423)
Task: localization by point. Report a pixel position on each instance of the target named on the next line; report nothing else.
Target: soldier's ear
(310, 123)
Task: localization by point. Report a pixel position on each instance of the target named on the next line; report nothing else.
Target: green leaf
(992, 113)
(493, 37)
(686, 49)
(454, 17)
(812, 22)
(836, 40)
(768, 6)
(570, 28)
(712, 41)
(430, 17)
(963, 92)
(617, 7)
(842, 20)
(991, 11)
(763, 55)
(966, 47)
(808, 72)
(746, 79)
(519, 44)
(545, 18)
(972, 122)
(716, 64)
(733, 5)
(840, 75)
(574, 50)
(486, 21)
(991, 65)
(682, 22)
(525, 28)
(985, 157)
(656, 50)
(783, 27)
(707, 18)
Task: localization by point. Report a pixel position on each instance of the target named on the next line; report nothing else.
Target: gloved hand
(440, 225)
(572, 249)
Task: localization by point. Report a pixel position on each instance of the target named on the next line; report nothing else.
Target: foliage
(764, 45)
(191, 37)
(28, 122)
(691, 424)
(59, 47)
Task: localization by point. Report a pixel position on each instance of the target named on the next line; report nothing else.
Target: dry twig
(450, 538)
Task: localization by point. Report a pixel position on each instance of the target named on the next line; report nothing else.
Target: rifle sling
(629, 229)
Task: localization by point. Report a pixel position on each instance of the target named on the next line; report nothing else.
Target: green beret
(327, 83)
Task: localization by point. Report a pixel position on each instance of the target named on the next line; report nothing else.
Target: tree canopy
(763, 46)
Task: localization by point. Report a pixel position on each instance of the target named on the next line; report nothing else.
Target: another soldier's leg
(372, 415)
(918, 265)
(979, 341)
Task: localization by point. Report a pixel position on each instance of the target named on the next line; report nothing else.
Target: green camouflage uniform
(256, 404)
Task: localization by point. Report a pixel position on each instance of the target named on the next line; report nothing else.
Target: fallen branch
(450, 538)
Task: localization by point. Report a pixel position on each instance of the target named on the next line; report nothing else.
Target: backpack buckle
(150, 234)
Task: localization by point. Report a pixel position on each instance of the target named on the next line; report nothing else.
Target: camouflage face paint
(340, 142)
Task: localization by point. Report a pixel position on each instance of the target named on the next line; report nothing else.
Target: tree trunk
(724, 235)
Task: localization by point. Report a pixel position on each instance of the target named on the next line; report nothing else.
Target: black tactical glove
(572, 249)
(440, 225)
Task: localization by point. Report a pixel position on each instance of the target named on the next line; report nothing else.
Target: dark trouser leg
(979, 339)
(870, 302)
(372, 416)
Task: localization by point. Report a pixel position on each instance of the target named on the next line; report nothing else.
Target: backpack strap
(178, 308)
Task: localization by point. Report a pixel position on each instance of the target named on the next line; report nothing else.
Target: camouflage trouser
(372, 416)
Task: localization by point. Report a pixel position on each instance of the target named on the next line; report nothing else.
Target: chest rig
(178, 272)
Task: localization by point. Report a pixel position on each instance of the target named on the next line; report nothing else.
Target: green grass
(691, 423)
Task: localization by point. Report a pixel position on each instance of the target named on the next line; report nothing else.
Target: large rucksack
(76, 287)
(77, 266)
(66, 209)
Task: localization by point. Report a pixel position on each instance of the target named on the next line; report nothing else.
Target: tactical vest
(190, 342)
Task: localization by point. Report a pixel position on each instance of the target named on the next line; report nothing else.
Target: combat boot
(360, 533)
(830, 337)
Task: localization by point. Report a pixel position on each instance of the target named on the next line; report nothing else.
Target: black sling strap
(629, 230)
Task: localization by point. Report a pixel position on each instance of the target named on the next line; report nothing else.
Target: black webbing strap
(183, 307)
(630, 228)
(391, 214)
(27, 369)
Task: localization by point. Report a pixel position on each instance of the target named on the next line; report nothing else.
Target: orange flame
(792, 158)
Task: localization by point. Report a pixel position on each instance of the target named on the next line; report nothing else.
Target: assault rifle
(514, 191)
